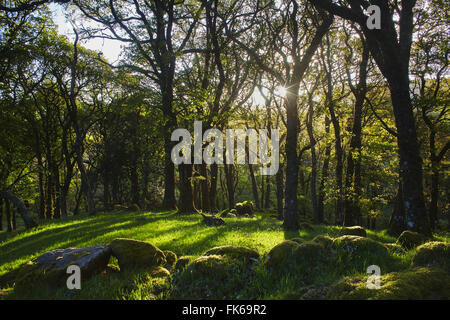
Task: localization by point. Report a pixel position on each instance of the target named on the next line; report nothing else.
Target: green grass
(184, 235)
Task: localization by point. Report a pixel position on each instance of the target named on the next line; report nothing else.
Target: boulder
(298, 240)
(414, 284)
(409, 239)
(182, 262)
(353, 231)
(244, 208)
(159, 272)
(325, 241)
(213, 266)
(309, 254)
(234, 252)
(50, 268)
(136, 254)
(134, 207)
(395, 248)
(359, 246)
(436, 254)
(171, 259)
(279, 254)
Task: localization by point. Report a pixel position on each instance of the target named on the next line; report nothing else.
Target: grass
(184, 235)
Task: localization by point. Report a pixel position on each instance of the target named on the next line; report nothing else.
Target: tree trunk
(280, 193)
(27, 219)
(324, 175)
(230, 185)
(214, 169)
(254, 187)
(397, 221)
(9, 225)
(186, 204)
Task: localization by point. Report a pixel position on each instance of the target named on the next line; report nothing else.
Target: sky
(110, 48)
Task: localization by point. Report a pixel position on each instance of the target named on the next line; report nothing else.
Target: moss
(395, 248)
(280, 253)
(209, 266)
(31, 275)
(182, 262)
(234, 252)
(417, 284)
(353, 231)
(120, 207)
(159, 272)
(79, 255)
(409, 239)
(133, 253)
(298, 240)
(309, 253)
(359, 245)
(134, 207)
(244, 208)
(325, 241)
(171, 258)
(432, 254)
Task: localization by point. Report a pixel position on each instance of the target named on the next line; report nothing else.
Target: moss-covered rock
(325, 241)
(134, 207)
(182, 262)
(159, 272)
(395, 248)
(409, 239)
(234, 252)
(416, 284)
(281, 253)
(120, 207)
(433, 254)
(298, 240)
(309, 253)
(50, 268)
(353, 231)
(171, 259)
(244, 208)
(209, 266)
(359, 245)
(136, 254)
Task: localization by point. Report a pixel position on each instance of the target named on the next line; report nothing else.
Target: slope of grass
(184, 235)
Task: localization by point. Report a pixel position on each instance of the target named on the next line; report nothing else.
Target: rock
(136, 254)
(244, 208)
(281, 253)
(182, 262)
(120, 207)
(212, 221)
(298, 240)
(436, 254)
(325, 241)
(209, 266)
(409, 239)
(50, 268)
(159, 272)
(309, 253)
(415, 284)
(360, 246)
(134, 207)
(171, 259)
(234, 252)
(353, 231)
(395, 248)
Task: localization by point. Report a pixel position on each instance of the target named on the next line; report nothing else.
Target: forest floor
(184, 235)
